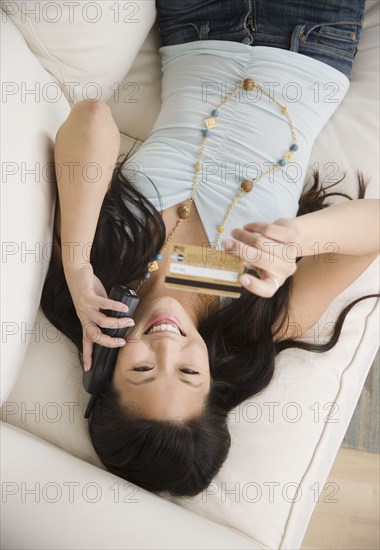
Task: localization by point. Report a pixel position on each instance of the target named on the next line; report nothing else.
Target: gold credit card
(204, 269)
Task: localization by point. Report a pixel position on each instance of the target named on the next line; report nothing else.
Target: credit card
(204, 269)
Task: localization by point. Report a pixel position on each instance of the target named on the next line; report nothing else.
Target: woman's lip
(164, 317)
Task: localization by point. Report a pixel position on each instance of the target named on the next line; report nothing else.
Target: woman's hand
(271, 249)
(89, 295)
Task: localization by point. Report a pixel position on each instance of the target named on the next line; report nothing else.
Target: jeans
(327, 30)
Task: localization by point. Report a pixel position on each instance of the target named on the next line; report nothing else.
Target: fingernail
(87, 367)
(245, 280)
(120, 342)
(229, 244)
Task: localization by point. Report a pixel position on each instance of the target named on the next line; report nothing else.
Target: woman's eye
(142, 369)
(189, 371)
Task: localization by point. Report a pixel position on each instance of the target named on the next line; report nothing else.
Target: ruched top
(251, 133)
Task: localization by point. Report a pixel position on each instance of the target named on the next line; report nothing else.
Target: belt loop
(204, 30)
(297, 32)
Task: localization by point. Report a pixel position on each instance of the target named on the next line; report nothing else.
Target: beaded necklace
(246, 185)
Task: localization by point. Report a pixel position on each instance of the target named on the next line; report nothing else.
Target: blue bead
(147, 276)
(294, 147)
(207, 133)
(282, 162)
(215, 112)
(159, 256)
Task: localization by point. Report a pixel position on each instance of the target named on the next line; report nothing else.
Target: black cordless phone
(104, 359)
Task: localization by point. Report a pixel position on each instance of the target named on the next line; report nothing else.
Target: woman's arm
(351, 228)
(86, 149)
(341, 235)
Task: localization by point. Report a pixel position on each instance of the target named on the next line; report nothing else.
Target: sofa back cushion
(87, 46)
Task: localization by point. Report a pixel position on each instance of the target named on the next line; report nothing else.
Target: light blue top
(251, 132)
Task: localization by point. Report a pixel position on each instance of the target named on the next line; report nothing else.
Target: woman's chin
(170, 300)
(169, 305)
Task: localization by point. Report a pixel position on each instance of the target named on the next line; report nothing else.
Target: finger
(92, 333)
(274, 231)
(266, 286)
(246, 238)
(87, 354)
(253, 238)
(106, 303)
(104, 321)
(259, 253)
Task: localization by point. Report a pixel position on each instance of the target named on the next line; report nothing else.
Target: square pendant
(153, 266)
(288, 156)
(210, 122)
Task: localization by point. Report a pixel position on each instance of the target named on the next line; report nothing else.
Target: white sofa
(55, 492)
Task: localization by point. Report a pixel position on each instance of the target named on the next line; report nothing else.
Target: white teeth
(163, 327)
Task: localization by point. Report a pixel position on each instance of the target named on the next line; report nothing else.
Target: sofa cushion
(100, 511)
(138, 103)
(33, 107)
(87, 46)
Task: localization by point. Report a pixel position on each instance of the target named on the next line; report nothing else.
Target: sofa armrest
(68, 503)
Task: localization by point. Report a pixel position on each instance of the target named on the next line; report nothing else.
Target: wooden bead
(184, 212)
(246, 186)
(248, 84)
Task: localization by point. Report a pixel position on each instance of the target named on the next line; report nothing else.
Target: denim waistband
(327, 30)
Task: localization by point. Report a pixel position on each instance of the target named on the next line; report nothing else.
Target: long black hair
(180, 458)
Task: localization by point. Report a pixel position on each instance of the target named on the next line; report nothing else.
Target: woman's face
(164, 372)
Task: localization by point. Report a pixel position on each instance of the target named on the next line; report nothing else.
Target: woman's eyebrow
(147, 380)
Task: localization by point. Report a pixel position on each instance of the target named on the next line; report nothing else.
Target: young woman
(242, 104)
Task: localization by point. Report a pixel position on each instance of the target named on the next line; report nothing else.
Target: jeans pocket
(342, 32)
(179, 34)
(341, 36)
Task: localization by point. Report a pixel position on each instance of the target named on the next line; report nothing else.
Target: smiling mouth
(165, 324)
